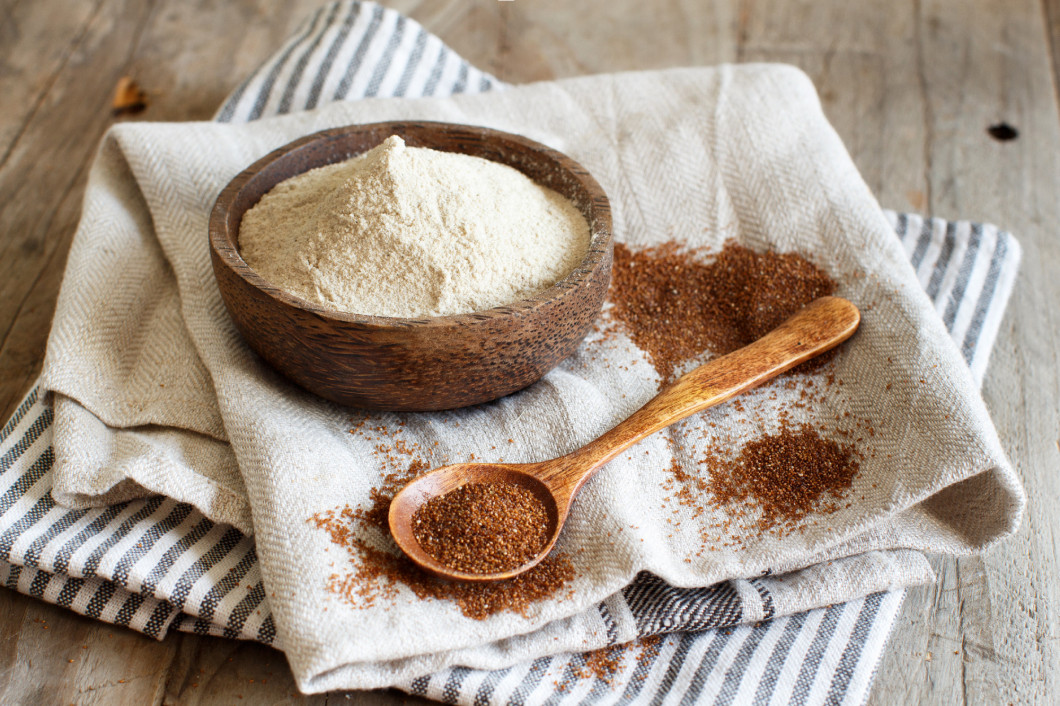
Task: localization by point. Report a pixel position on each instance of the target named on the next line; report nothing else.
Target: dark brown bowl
(412, 364)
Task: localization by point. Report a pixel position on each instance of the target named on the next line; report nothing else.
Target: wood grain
(911, 88)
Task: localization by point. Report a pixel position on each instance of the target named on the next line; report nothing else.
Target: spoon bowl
(820, 326)
(449, 478)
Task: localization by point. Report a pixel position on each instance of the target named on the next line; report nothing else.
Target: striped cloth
(155, 564)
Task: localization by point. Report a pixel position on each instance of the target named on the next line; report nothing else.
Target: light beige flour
(413, 232)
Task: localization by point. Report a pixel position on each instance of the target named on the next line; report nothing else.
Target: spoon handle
(818, 327)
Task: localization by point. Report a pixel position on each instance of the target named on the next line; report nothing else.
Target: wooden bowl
(435, 363)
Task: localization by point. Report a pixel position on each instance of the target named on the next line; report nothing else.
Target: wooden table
(910, 86)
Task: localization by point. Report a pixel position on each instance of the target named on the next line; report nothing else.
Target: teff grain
(482, 528)
(377, 568)
(788, 475)
(676, 303)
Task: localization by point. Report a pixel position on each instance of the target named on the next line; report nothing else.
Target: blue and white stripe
(968, 270)
(156, 564)
(820, 656)
(349, 51)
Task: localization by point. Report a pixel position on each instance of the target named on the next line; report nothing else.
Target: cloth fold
(138, 316)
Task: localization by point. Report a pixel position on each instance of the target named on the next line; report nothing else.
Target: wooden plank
(983, 63)
(866, 77)
(53, 656)
(37, 40)
(1051, 9)
(214, 670)
(523, 42)
(42, 179)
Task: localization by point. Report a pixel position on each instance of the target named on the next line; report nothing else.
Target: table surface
(910, 86)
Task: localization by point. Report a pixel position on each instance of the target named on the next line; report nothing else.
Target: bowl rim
(224, 244)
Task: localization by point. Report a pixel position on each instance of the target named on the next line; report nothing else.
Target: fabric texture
(165, 563)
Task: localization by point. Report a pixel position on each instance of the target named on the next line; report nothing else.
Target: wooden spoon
(820, 326)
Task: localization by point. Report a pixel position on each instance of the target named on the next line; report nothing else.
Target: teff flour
(412, 232)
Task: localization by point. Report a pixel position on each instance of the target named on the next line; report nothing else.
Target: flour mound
(413, 232)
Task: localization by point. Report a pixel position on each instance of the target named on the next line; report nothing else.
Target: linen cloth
(966, 324)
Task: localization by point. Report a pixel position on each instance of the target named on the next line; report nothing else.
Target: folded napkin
(137, 314)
